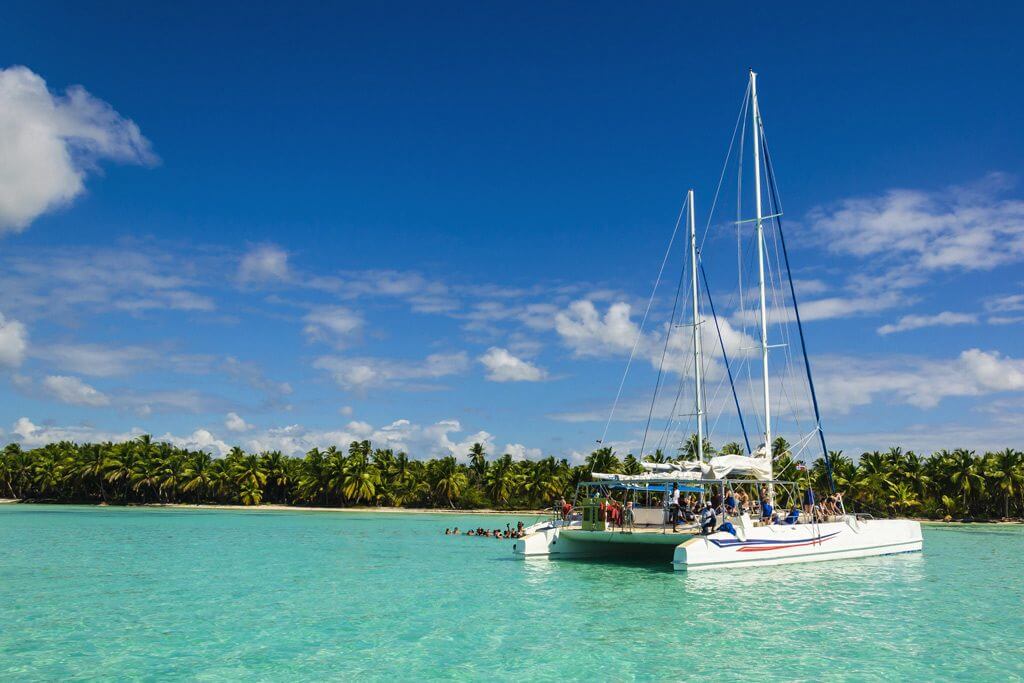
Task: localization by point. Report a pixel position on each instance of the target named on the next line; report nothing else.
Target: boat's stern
(539, 541)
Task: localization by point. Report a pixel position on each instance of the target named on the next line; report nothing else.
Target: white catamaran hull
(750, 547)
(782, 544)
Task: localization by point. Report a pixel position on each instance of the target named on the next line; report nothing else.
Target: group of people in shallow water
(507, 532)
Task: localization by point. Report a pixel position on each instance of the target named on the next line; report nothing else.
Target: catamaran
(634, 514)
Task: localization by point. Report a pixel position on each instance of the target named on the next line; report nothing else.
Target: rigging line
(799, 326)
(725, 356)
(664, 352)
(643, 321)
(786, 340)
(725, 165)
(663, 441)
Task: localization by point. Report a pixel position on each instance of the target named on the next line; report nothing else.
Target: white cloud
(345, 411)
(1013, 304)
(845, 383)
(57, 282)
(95, 360)
(967, 228)
(51, 142)
(419, 441)
(263, 263)
(520, 452)
(588, 333)
(31, 435)
(502, 366)
(235, 423)
(1005, 304)
(13, 342)
(916, 322)
(332, 324)
(74, 391)
(360, 374)
(199, 440)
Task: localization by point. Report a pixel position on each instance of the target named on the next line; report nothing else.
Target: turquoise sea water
(172, 594)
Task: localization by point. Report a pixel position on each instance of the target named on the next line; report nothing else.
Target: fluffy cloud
(916, 322)
(332, 324)
(74, 391)
(968, 228)
(419, 441)
(13, 342)
(360, 374)
(199, 440)
(502, 366)
(590, 334)
(520, 452)
(50, 143)
(845, 383)
(235, 423)
(263, 263)
(31, 435)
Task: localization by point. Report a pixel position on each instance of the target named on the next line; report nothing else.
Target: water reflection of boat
(613, 515)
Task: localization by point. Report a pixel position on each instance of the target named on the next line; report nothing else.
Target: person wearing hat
(708, 519)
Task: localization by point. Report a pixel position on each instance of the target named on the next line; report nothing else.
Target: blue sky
(293, 226)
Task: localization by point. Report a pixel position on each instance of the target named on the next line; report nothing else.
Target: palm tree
(447, 479)
(1006, 471)
(145, 476)
(902, 498)
(963, 471)
(542, 481)
(604, 460)
(92, 465)
(732, 448)
(278, 476)
(359, 478)
(198, 476)
(501, 479)
(630, 465)
(658, 457)
(478, 462)
(689, 450)
(250, 476)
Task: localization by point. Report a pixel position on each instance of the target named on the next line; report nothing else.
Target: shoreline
(277, 507)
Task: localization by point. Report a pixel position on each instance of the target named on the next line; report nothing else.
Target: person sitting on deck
(766, 511)
(793, 517)
(708, 519)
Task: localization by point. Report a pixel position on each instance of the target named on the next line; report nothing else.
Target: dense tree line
(958, 483)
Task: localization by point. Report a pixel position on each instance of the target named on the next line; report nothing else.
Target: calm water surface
(170, 594)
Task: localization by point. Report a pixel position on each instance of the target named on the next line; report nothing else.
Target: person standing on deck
(674, 508)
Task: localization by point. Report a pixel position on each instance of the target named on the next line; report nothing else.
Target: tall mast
(697, 355)
(756, 134)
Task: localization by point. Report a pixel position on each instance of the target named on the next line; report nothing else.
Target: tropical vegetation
(956, 484)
